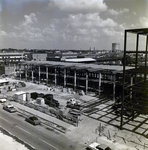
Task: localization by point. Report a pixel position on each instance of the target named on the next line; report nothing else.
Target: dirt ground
(89, 129)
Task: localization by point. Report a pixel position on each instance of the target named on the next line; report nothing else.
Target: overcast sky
(70, 24)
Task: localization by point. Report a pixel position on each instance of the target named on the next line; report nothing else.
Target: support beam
(100, 76)
(64, 77)
(26, 68)
(145, 75)
(137, 45)
(20, 71)
(39, 74)
(75, 79)
(55, 76)
(46, 74)
(86, 86)
(114, 87)
(32, 73)
(123, 82)
(131, 93)
(14, 67)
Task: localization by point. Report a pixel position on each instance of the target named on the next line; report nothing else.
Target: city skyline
(70, 24)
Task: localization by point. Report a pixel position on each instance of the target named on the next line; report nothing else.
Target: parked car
(2, 100)
(10, 108)
(103, 147)
(97, 146)
(33, 120)
(92, 146)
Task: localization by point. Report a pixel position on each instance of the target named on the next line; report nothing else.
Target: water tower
(115, 46)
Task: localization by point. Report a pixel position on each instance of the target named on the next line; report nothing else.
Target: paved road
(37, 136)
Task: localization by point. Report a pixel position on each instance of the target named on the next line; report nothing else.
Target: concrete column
(131, 96)
(55, 76)
(26, 67)
(14, 67)
(86, 86)
(64, 78)
(39, 74)
(114, 86)
(100, 82)
(131, 87)
(47, 74)
(32, 75)
(20, 71)
(32, 72)
(75, 79)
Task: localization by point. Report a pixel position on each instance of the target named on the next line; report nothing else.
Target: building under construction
(79, 76)
(126, 84)
(135, 83)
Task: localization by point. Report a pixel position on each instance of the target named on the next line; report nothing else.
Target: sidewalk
(42, 115)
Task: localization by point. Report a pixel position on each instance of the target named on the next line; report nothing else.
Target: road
(37, 136)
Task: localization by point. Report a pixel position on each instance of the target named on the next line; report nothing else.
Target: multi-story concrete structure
(89, 77)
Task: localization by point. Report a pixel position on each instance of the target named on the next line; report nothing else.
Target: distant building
(39, 56)
(61, 55)
(9, 60)
(115, 47)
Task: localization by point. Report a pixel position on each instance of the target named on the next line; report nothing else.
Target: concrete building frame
(79, 76)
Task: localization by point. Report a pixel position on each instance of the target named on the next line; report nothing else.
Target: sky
(70, 24)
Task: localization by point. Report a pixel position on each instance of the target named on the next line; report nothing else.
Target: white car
(10, 108)
(93, 146)
(97, 146)
(2, 100)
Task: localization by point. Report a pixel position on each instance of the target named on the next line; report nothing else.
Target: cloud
(67, 24)
(80, 22)
(79, 6)
(89, 21)
(143, 21)
(118, 12)
(27, 30)
(29, 20)
(3, 33)
(113, 12)
(109, 32)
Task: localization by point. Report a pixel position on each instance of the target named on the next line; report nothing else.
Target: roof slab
(78, 66)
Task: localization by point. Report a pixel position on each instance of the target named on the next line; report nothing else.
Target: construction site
(107, 102)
